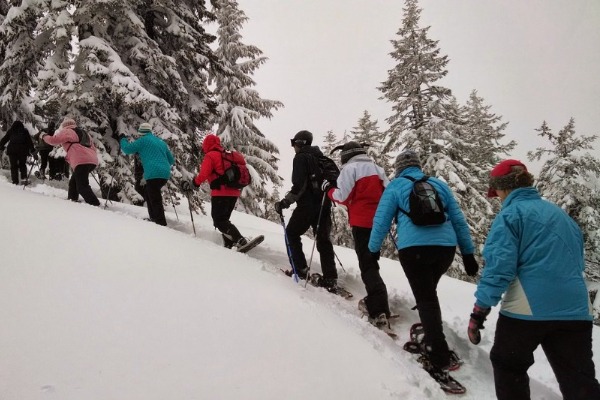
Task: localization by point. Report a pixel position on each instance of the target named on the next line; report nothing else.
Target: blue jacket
(154, 153)
(452, 232)
(534, 253)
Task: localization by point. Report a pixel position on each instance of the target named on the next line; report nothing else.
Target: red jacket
(214, 166)
(360, 186)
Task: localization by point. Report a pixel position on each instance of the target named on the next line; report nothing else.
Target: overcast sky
(531, 60)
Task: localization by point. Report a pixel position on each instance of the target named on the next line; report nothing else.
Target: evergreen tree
(428, 119)
(240, 105)
(112, 65)
(368, 132)
(566, 180)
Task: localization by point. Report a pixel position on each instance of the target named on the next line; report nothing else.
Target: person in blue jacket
(156, 160)
(425, 252)
(534, 257)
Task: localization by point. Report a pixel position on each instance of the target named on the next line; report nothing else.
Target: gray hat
(407, 158)
(350, 150)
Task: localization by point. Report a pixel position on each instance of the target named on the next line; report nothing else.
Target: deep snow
(100, 304)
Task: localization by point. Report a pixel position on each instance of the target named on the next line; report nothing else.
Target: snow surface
(100, 304)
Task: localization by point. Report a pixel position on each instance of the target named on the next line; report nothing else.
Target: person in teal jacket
(534, 257)
(425, 252)
(156, 160)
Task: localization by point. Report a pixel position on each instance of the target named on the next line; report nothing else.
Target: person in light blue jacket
(534, 257)
(156, 160)
(425, 252)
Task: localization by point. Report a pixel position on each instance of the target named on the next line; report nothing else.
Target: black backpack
(235, 176)
(84, 139)
(426, 207)
(324, 168)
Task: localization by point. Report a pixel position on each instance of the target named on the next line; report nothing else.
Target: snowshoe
(442, 376)
(415, 346)
(381, 322)
(249, 244)
(317, 280)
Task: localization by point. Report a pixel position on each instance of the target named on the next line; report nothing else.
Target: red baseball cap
(503, 168)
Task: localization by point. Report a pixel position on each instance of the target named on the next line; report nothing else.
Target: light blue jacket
(454, 231)
(154, 153)
(534, 253)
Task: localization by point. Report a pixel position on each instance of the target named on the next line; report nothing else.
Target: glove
(471, 266)
(476, 323)
(376, 255)
(281, 205)
(2, 149)
(35, 156)
(121, 136)
(326, 185)
(187, 186)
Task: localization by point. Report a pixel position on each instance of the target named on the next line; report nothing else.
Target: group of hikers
(533, 255)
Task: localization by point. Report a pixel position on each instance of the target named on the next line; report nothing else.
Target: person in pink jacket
(82, 159)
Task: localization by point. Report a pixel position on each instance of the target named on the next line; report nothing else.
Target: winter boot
(380, 321)
(362, 306)
(302, 273)
(241, 243)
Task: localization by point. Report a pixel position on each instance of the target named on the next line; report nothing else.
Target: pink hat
(68, 123)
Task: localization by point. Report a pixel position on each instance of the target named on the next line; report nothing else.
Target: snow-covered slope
(99, 304)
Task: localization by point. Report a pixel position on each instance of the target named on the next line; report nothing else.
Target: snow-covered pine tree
(112, 65)
(428, 119)
(568, 178)
(21, 45)
(368, 132)
(240, 105)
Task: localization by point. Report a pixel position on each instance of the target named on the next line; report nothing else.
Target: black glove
(35, 156)
(476, 323)
(2, 149)
(326, 185)
(471, 266)
(376, 255)
(122, 136)
(187, 186)
(281, 205)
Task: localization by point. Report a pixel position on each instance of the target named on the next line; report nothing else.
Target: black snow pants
(18, 163)
(221, 209)
(423, 267)
(305, 216)
(377, 296)
(154, 200)
(79, 184)
(567, 345)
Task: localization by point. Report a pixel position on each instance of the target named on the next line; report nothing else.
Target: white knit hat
(145, 128)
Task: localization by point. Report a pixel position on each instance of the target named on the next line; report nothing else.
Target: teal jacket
(396, 195)
(534, 256)
(154, 153)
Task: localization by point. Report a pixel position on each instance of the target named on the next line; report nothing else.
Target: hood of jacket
(210, 143)
(314, 150)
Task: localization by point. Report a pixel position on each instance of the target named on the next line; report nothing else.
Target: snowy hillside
(99, 304)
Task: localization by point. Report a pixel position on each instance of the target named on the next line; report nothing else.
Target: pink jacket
(76, 153)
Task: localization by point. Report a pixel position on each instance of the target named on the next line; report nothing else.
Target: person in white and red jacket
(82, 159)
(359, 188)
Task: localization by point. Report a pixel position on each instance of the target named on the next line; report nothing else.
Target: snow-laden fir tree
(368, 132)
(240, 105)
(427, 119)
(112, 65)
(568, 178)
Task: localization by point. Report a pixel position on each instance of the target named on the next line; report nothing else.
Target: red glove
(476, 323)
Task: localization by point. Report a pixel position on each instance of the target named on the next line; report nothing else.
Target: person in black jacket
(313, 209)
(44, 148)
(20, 146)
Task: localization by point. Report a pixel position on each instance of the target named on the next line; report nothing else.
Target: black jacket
(19, 140)
(304, 189)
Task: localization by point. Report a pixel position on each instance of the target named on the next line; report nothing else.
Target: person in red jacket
(359, 188)
(223, 198)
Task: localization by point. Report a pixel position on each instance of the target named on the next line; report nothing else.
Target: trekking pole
(172, 201)
(288, 249)
(315, 242)
(112, 178)
(191, 214)
(338, 260)
(29, 174)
